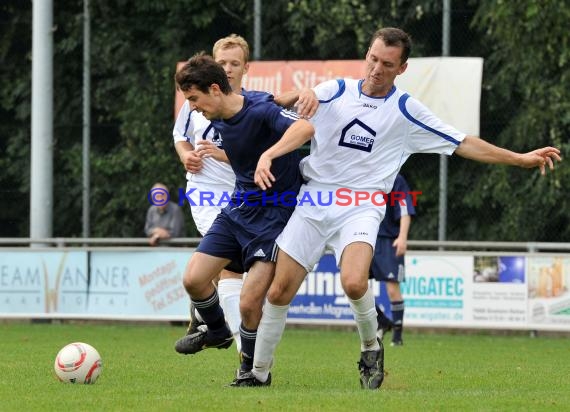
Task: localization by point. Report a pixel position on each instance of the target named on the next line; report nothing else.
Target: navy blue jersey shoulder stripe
(341, 87)
(187, 124)
(210, 127)
(402, 105)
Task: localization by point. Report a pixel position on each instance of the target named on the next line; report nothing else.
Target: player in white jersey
(364, 132)
(209, 175)
(214, 176)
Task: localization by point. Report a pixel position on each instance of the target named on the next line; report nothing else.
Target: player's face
(232, 60)
(383, 64)
(205, 103)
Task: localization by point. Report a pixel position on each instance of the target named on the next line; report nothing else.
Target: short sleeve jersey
(361, 142)
(191, 126)
(254, 129)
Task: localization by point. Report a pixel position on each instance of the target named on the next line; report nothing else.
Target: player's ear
(403, 68)
(245, 68)
(214, 88)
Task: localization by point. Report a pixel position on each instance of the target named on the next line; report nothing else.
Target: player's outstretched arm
(296, 135)
(287, 99)
(305, 101)
(307, 104)
(477, 149)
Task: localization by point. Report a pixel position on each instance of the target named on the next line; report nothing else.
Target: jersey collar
(390, 93)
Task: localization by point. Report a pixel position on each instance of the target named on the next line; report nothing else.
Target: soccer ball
(78, 363)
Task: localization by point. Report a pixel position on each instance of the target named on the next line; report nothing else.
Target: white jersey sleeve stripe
(402, 105)
(289, 114)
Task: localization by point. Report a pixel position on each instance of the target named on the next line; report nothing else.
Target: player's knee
(194, 284)
(193, 287)
(273, 296)
(277, 295)
(187, 281)
(354, 288)
(250, 309)
(393, 289)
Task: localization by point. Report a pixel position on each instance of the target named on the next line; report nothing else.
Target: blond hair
(233, 40)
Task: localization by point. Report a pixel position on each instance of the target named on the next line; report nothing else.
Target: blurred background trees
(136, 43)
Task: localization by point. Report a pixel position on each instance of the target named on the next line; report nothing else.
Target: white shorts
(314, 229)
(203, 212)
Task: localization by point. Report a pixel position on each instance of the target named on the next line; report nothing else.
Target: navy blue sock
(212, 313)
(247, 347)
(397, 308)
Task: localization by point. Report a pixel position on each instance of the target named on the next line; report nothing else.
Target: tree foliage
(527, 82)
(136, 43)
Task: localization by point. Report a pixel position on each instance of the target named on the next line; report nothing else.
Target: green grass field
(315, 370)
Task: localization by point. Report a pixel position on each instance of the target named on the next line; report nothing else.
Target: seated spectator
(164, 219)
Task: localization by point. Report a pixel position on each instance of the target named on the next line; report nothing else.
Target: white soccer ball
(78, 362)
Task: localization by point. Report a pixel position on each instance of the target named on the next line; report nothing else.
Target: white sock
(229, 291)
(364, 310)
(269, 334)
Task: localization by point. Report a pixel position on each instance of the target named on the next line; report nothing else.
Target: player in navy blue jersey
(244, 232)
(388, 261)
(199, 147)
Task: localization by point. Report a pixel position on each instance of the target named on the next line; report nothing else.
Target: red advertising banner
(277, 77)
(450, 86)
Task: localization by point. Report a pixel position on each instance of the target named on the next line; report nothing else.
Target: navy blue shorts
(245, 234)
(386, 266)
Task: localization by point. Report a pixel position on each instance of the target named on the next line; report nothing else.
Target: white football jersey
(191, 126)
(361, 142)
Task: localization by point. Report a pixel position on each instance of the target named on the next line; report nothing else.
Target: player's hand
(307, 104)
(541, 158)
(263, 176)
(401, 246)
(192, 161)
(206, 148)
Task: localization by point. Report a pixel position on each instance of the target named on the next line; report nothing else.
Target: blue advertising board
(321, 296)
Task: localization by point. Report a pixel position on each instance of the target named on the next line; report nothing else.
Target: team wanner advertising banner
(516, 291)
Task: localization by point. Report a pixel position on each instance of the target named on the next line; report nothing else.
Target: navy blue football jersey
(245, 136)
